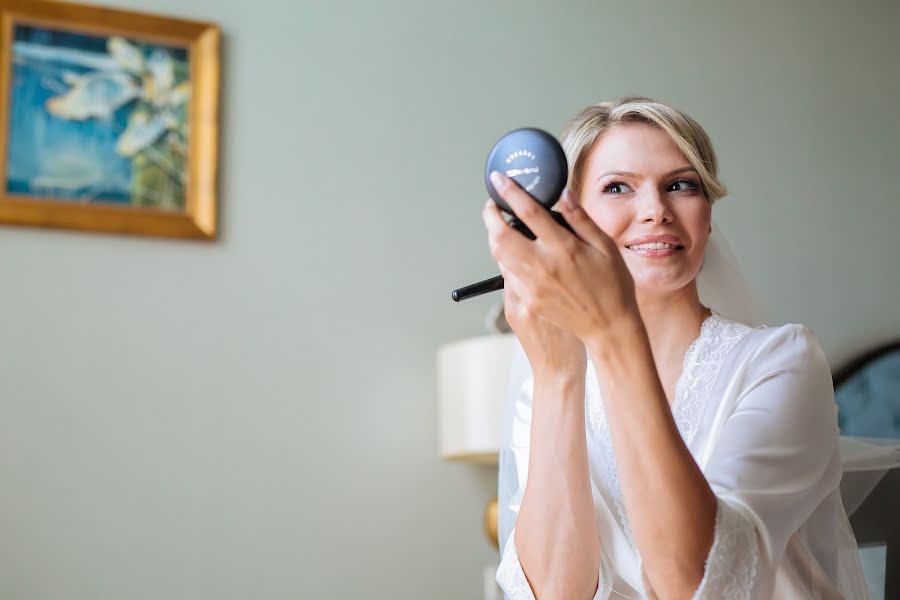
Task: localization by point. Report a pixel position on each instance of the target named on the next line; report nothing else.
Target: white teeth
(653, 246)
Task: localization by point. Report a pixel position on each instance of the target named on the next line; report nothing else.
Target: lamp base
(490, 522)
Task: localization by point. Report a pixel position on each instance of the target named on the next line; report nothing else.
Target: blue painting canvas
(97, 119)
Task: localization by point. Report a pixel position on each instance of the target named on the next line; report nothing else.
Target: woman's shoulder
(763, 344)
(790, 352)
(786, 344)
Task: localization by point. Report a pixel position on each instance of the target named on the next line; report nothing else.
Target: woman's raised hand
(552, 352)
(578, 283)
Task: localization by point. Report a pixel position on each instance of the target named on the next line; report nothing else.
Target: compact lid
(533, 159)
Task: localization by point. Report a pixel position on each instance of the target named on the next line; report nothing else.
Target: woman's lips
(655, 253)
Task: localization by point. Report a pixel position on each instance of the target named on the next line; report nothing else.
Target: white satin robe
(755, 406)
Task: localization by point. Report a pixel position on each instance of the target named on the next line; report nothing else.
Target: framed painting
(108, 120)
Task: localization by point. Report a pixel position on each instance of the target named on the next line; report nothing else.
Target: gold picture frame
(108, 120)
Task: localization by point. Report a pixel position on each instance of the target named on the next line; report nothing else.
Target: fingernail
(498, 180)
(569, 199)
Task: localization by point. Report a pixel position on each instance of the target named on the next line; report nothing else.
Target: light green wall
(255, 418)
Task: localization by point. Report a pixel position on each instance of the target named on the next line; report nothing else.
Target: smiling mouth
(655, 246)
(656, 250)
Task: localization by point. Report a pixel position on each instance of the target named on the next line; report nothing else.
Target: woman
(661, 449)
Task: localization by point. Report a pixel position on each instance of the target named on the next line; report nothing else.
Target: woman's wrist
(558, 380)
(559, 396)
(617, 340)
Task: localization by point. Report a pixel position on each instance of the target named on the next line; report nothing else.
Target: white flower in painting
(162, 72)
(159, 81)
(126, 54)
(99, 93)
(143, 130)
(177, 95)
(93, 94)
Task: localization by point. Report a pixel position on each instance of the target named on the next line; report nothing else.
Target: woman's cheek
(606, 221)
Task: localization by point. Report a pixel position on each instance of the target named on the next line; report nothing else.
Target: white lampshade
(472, 378)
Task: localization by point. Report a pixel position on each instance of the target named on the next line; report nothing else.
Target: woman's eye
(691, 185)
(614, 185)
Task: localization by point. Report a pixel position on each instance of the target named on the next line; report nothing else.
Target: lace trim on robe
(702, 365)
(731, 565)
(511, 577)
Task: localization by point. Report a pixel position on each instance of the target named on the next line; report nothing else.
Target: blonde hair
(584, 129)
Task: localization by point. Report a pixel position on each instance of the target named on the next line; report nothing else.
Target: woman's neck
(672, 321)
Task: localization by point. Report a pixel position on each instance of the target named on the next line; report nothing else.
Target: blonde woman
(657, 448)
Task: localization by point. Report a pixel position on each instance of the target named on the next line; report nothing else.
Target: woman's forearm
(556, 530)
(670, 506)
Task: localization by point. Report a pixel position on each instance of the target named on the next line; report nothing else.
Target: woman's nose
(653, 206)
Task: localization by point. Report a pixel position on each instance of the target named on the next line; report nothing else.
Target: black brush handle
(496, 283)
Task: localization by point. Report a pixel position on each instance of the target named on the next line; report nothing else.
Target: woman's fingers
(527, 209)
(507, 245)
(512, 282)
(510, 298)
(512, 302)
(583, 225)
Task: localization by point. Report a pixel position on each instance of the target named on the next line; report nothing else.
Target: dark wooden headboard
(850, 369)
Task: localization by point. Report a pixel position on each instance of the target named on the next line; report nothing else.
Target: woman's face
(653, 191)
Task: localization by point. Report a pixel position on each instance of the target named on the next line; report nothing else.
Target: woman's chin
(660, 284)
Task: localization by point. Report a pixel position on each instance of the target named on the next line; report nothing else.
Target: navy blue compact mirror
(536, 162)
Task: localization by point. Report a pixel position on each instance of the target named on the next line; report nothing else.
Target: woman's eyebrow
(679, 170)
